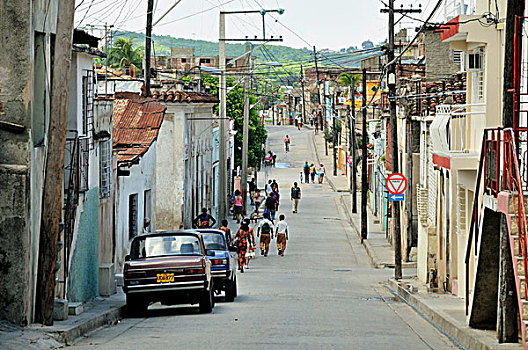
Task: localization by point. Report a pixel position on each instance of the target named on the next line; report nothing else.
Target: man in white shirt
(282, 235)
(265, 231)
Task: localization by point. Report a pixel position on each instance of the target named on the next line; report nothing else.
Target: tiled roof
(136, 126)
(184, 96)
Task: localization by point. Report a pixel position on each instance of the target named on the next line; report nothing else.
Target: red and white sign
(350, 160)
(396, 183)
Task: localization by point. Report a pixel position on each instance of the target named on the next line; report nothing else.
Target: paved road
(323, 294)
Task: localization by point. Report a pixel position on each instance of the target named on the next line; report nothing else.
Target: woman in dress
(241, 237)
(250, 252)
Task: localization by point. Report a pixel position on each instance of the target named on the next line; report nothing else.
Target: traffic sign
(396, 197)
(350, 160)
(396, 183)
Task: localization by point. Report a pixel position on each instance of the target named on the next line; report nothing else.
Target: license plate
(165, 277)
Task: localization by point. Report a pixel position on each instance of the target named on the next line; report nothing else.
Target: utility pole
(148, 40)
(334, 134)
(320, 112)
(54, 172)
(245, 131)
(354, 160)
(222, 166)
(364, 185)
(303, 102)
(391, 79)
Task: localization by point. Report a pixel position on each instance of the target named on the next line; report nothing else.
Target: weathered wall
(84, 262)
(142, 177)
(439, 58)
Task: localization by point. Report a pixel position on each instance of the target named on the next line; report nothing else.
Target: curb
(467, 337)
(330, 182)
(70, 333)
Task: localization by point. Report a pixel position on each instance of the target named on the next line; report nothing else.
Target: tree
(367, 44)
(235, 111)
(123, 54)
(348, 80)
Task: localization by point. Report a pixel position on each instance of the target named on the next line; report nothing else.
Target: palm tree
(349, 80)
(123, 54)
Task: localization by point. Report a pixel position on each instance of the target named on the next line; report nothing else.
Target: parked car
(223, 264)
(169, 267)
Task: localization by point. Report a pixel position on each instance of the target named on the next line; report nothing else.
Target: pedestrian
(282, 235)
(270, 205)
(295, 193)
(226, 230)
(275, 186)
(204, 220)
(257, 201)
(265, 230)
(321, 173)
(274, 157)
(146, 225)
(299, 123)
(311, 119)
(269, 189)
(316, 123)
(250, 252)
(306, 169)
(238, 205)
(312, 172)
(252, 187)
(276, 196)
(241, 239)
(287, 143)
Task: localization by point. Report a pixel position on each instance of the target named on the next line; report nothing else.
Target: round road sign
(350, 160)
(396, 183)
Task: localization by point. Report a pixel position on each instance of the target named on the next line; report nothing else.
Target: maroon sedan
(169, 267)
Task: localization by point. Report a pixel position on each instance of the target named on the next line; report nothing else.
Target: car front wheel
(206, 301)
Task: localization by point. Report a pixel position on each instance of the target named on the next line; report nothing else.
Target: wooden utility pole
(354, 158)
(245, 131)
(320, 111)
(148, 46)
(364, 156)
(54, 172)
(334, 136)
(302, 88)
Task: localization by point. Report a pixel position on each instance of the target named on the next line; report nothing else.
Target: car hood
(162, 262)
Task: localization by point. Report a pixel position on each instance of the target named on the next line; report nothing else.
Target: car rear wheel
(135, 306)
(206, 301)
(231, 290)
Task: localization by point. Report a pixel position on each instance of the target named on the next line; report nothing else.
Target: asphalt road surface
(323, 294)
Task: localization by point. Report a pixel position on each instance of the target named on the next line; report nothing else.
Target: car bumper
(165, 287)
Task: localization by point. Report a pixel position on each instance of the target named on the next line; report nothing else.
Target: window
(147, 204)
(183, 60)
(456, 56)
(84, 160)
(105, 168)
(475, 60)
(205, 60)
(132, 215)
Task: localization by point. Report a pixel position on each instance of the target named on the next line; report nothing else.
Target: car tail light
(197, 270)
(219, 261)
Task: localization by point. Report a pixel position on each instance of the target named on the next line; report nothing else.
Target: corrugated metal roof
(136, 123)
(184, 96)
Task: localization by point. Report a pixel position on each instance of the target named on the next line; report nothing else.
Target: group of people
(271, 159)
(310, 171)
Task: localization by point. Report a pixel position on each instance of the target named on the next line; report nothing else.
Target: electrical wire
(196, 13)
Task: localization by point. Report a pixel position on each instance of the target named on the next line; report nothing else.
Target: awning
(449, 29)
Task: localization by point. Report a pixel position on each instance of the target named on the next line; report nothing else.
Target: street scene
(264, 174)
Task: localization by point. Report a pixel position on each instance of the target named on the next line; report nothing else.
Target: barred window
(105, 168)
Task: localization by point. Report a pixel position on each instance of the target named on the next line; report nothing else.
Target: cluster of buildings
(131, 163)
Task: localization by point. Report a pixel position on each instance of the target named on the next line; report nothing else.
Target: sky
(327, 24)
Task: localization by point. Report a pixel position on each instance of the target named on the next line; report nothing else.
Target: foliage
(235, 110)
(124, 53)
(367, 44)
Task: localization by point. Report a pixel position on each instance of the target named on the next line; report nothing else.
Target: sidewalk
(100, 312)
(445, 312)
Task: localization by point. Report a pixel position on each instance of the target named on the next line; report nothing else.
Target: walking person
(257, 201)
(316, 123)
(321, 173)
(250, 252)
(295, 193)
(282, 235)
(287, 143)
(306, 169)
(238, 205)
(265, 231)
(241, 239)
(313, 172)
(252, 187)
(269, 189)
(270, 206)
(226, 230)
(275, 186)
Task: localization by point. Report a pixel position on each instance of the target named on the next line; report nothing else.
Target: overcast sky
(332, 24)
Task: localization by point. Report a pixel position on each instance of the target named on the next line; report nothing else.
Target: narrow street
(322, 294)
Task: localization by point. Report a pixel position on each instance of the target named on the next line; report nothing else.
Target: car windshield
(153, 246)
(214, 241)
